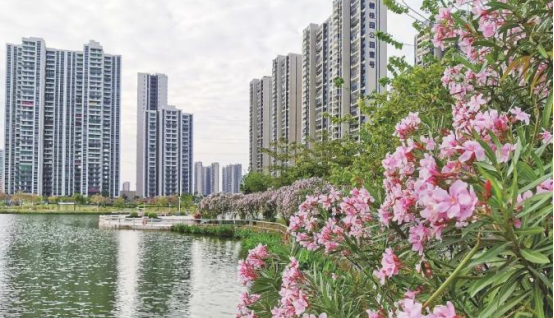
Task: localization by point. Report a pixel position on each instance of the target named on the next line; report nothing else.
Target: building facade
(260, 123)
(2, 187)
(62, 120)
(231, 177)
(424, 48)
(164, 141)
(206, 179)
(126, 186)
(286, 101)
(344, 46)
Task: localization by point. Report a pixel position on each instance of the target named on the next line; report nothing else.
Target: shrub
(153, 215)
(133, 214)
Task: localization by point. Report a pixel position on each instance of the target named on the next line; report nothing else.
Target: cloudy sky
(210, 50)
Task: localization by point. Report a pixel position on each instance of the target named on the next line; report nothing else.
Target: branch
(454, 274)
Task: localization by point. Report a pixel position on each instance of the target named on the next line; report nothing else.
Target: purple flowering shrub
(268, 205)
(464, 228)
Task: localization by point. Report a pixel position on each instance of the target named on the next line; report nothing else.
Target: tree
(162, 201)
(255, 182)
(187, 201)
(119, 202)
(98, 200)
(80, 199)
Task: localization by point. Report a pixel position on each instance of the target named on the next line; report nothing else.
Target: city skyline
(207, 81)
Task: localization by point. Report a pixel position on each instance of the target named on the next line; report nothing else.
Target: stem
(454, 274)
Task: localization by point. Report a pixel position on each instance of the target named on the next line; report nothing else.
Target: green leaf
(547, 112)
(537, 297)
(531, 231)
(542, 51)
(487, 280)
(489, 254)
(534, 256)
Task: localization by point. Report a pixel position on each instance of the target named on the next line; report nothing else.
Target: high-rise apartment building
(198, 178)
(260, 123)
(231, 176)
(424, 48)
(2, 187)
(206, 179)
(164, 141)
(126, 186)
(62, 120)
(286, 101)
(344, 46)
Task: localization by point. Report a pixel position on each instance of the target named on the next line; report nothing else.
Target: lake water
(64, 266)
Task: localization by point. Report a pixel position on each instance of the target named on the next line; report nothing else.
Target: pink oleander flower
(418, 236)
(449, 146)
(374, 314)
(545, 186)
(428, 143)
(520, 115)
(546, 137)
(247, 269)
(410, 309)
(323, 315)
(458, 203)
(242, 307)
(475, 102)
(407, 126)
(472, 151)
(488, 28)
(390, 266)
(293, 300)
(503, 155)
(447, 311)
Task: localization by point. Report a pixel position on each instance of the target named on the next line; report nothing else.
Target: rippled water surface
(64, 266)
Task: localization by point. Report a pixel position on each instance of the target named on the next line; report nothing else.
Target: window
(372, 15)
(371, 55)
(372, 5)
(372, 25)
(372, 64)
(371, 45)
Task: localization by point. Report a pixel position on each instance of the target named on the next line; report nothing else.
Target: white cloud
(209, 49)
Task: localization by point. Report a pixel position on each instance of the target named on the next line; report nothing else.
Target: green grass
(249, 238)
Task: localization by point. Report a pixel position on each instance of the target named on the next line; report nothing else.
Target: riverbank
(249, 238)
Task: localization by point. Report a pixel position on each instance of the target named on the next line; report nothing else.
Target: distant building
(62, 120)
(128, 194)
(424, 49)
(206, 179)
(198, 178)
(231, 176)
(260, 123)
(126, 186)
(2, 187)
(164, 141)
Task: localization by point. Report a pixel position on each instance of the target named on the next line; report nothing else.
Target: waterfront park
(441, 209)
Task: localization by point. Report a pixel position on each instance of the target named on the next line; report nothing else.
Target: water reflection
(127, 270)
(65, 266)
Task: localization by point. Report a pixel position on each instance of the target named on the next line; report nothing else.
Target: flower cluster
(323, 221)
(390, 266)
(245, 301)
(248, 268)
(294, 300)
(284, 200)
